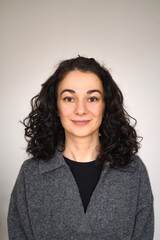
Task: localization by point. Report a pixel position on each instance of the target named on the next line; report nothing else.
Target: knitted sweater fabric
(45, 204)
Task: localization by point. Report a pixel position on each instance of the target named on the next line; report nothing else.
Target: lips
(82, 122)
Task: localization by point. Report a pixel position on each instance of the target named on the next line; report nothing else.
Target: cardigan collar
(55, 162)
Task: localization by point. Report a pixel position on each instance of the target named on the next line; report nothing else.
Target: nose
(80, 108)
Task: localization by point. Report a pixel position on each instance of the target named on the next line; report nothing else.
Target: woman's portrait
(84, 179)
(79, 124)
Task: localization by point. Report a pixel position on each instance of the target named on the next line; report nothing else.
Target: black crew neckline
(75, 162)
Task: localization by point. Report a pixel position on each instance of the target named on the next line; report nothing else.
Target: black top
(86, 176)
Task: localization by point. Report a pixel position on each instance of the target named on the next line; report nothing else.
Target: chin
(83, 134)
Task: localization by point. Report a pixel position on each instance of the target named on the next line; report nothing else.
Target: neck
(82, 149)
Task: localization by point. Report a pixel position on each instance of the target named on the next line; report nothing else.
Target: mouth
(82, 122)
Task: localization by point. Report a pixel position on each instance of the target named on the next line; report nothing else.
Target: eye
(92, 99)
(68, 99)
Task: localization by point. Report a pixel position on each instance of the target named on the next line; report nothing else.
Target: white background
(37, 35)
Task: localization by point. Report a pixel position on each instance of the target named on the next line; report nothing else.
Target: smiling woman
(81, 108)
(84, 180)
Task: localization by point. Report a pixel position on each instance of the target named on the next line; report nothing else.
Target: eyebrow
(88, 92)
(93, 90)
(68, 90)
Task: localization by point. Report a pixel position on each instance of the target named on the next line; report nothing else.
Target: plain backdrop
(36, 35)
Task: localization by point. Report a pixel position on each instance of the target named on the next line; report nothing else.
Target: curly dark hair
(44, 132)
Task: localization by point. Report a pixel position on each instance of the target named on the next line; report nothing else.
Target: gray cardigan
(46, 205)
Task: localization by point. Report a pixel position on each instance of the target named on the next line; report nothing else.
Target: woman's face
(81, 103)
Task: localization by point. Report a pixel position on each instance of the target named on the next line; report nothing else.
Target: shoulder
(30, 165)
(34, 166)
(29, 170)
(138, 165)
(143, 176)
(136, 174)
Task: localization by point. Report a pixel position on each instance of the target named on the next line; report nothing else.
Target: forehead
(80, 81)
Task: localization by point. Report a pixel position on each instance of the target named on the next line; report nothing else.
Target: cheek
(64, 111)
(97, 111)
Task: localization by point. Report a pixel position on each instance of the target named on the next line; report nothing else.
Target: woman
(84, 181)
